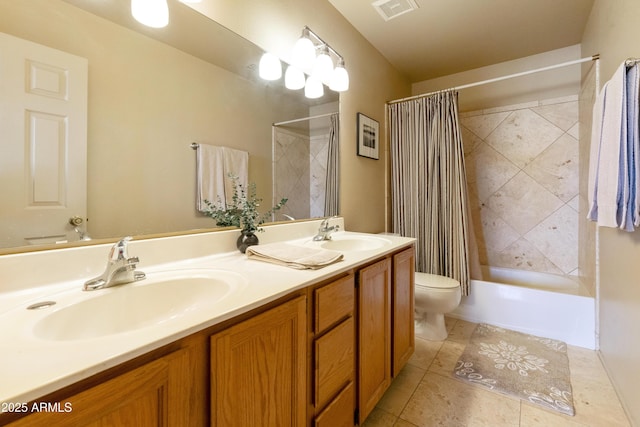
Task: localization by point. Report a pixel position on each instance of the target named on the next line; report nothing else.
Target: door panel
(43, 140)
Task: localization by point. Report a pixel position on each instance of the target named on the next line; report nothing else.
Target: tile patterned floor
(425, 393)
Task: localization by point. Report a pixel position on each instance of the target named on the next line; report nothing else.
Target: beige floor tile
(594, 398)
(401, 389)
(403, 423)
(444, 401)
(380, 418)
(447, 357)
(461, 332)
(424, 353)
(533, 416)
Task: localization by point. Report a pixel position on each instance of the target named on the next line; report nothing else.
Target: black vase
(246, 239)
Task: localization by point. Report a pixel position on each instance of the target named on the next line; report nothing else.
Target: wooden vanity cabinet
(318, 357)
(374, 335)
(258, 369)
(403, 309)
(154, 394)
(333, 359)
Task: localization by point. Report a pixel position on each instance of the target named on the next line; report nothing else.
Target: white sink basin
(348, 242)
(158, 299)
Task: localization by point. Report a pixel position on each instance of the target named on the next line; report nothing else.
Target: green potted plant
(242, 212)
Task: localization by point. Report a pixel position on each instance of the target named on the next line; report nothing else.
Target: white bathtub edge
(569, 318)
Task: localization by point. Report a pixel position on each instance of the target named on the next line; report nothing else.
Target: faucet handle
(119, 250)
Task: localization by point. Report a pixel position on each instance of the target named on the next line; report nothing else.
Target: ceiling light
(270, 67)
(293, 78)
(152, 13)
(339, 78)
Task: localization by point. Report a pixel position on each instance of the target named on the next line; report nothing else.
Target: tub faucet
(120, 269)
(324, 232)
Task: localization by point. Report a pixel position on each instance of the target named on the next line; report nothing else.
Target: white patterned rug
(525, 366)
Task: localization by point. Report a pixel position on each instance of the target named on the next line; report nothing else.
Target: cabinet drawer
(335, 362)
(339, 413)
(333, 302)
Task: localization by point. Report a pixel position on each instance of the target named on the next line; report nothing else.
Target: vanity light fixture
(152, 13)
(294, 78)
(315, 57)
(340, 78)
(323, 65)
(313, 88)
(270, 67)
(304, 52)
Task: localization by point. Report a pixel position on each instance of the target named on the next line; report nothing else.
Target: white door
(43, 143)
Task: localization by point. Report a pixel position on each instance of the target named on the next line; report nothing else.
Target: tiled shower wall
(522, 172)
(300, 167)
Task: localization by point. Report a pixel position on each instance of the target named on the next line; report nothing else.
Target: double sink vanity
(209, 336)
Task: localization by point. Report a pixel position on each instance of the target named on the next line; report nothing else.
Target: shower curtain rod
(497, 79)
(304, 118)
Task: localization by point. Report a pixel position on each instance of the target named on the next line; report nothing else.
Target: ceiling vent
(390, 9)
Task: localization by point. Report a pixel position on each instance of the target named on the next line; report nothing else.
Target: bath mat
(525, 366)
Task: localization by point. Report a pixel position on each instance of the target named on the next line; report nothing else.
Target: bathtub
(542, 304)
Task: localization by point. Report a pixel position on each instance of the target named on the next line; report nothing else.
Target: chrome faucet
(324, 232)
(120, 269)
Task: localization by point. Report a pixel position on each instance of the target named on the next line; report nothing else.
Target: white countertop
(31, 367)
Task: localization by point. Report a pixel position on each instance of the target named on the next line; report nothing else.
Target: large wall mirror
(151, 93)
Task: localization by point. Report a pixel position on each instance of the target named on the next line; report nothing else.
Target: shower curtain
(429, 189)
(332, 197)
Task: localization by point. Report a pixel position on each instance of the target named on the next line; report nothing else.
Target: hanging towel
(633, 137)
(608, 163)
(210, 175)
(236, 163)
(214, 168)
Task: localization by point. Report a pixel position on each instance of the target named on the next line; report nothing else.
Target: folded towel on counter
(298, 257)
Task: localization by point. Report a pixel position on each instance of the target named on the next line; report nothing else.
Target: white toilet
(434, 296)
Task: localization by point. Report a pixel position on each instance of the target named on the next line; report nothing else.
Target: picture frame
(368, 137)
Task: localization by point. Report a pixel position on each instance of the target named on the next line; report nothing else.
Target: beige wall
(534, 87)
(275, 25)
(613, 31)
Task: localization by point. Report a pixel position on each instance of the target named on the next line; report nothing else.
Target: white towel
(608, 163)
(236, 163)
(298, 257)
(214, 165)
(633, 136)
(210, 175)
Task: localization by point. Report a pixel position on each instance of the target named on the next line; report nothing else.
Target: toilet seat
(426, 280)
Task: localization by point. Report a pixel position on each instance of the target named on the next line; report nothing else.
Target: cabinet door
(258, 369)
(403, 303)
(152, 395)
(374, 333)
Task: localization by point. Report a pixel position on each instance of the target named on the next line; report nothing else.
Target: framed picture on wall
(368, 137)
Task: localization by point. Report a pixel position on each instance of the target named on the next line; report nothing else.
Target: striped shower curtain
(332, 195)
(429, 187)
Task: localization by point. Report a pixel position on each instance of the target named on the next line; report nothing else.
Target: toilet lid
(435, 281)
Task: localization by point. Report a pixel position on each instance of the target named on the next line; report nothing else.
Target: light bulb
(152, 13)
(313, 89)
(270, 67)
(339, 78)
(304, 53)
(293, 78)
(323, 66)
